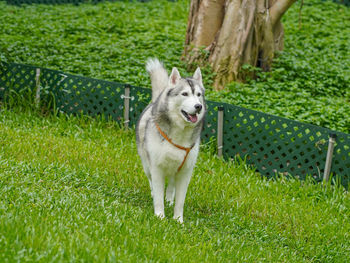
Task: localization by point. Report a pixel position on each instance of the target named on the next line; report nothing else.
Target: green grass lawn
(73, 189)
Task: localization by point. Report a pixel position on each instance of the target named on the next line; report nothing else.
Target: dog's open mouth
(190, 117)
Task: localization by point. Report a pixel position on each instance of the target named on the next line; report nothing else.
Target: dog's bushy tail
(159, 77)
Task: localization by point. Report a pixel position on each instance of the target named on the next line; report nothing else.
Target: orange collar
(186, 149)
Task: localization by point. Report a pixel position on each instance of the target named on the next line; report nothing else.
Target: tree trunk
(231, 33)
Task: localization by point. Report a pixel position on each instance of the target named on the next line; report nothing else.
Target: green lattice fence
(343, 2)
(81, 95)
(70, 93)
(15, 78)
(211, 118)
(272, 144)
(278, 145)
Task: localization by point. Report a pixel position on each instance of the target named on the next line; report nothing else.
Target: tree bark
(230, 33)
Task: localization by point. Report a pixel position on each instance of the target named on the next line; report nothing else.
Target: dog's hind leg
(148, 174)
(158, 181)
(170, 191)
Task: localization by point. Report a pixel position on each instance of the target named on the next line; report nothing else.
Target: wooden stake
(220, 130)
(37, 85)
(126, 106)
(328, 164)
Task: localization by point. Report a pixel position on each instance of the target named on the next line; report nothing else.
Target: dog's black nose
(198, 107)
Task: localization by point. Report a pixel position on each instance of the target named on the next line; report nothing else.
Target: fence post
(328, 164)
(126, 105)
(37, 85)
(220, 130)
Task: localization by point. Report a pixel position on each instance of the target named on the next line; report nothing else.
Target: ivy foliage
(309, 81)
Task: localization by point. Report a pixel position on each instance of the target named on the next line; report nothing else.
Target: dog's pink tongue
(193, 118)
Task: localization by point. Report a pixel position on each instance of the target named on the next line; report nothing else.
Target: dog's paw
(179, 219)
(160, 215)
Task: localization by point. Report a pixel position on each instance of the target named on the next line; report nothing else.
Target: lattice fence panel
(210, 125)
(3, 79)
(341, 158)
(16, 78)
(81, 95)
(49, 82)
(273, 144)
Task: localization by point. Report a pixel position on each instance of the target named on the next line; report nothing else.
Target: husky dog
(168, 134)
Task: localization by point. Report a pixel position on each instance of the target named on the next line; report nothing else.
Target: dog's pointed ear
(174, 76)
(198, 75)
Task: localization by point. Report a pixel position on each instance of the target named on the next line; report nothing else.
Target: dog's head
(186, 97)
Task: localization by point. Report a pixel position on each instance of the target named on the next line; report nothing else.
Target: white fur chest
(169, 158)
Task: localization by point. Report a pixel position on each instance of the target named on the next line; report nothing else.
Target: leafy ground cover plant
(309, 81)
(73, 189)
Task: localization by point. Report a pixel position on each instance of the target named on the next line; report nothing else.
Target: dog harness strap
(186, 149)
(183, 162)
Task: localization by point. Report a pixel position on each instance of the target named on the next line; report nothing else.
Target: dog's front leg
(181, 183)
(158, 192)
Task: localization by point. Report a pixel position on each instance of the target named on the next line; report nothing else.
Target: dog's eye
(198, 94)
(184, 94)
